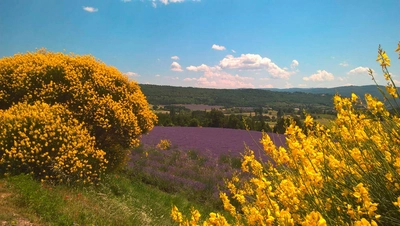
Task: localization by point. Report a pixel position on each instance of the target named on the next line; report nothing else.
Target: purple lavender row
(214, 141)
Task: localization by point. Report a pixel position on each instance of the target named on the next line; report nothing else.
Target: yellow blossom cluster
(111, 107)
(164, 144)
(47, 142)
(347, 174)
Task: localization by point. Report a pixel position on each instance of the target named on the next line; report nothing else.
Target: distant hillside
(343, 90)
(164, 95)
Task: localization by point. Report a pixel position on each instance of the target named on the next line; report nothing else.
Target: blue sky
(214, 43)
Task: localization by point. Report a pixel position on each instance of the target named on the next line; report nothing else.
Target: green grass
(118, 200)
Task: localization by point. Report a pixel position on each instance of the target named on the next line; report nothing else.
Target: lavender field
(210, 141)
(198, 160)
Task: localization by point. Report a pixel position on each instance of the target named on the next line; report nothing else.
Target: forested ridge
(165, 95)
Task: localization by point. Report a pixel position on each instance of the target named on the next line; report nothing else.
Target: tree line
(257, 121)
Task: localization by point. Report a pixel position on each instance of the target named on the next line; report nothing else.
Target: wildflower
(176, 215)
(364, 222)
(195, 216)
(397, 203)
(164, 144)
(308, 121)
(383, 59)
(387, 76)
(314, 218)
(391, 90)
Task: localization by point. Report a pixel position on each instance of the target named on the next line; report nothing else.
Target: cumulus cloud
(175, 58)
(344, 64)
(294, 64)
(214, 77)
(218, 47)
(358, 70)
(90, 9)
(132, 74)
(175, 66)
(254, 61)
(321, 75)
(204, 68)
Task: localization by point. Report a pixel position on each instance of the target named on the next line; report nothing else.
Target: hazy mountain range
(343, 90)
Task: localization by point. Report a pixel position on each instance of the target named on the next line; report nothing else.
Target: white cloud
(155, 3)
(189, 79)
(344, 64)
(132, 74)
(266, 86)
(321, 75)
(264, 79)
(288, 85)
(176, 67)
(171, 78)
(157, 75)
(166, 2)
(218, 47)
(254, 61)
(359, 70)
(233, 51)
(302, 85)
(294, 64)
(90, 9)
(216, 78)
(341, 79)
(205, 68)
(175, 58)
(126, 0)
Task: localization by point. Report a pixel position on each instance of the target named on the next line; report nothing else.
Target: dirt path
(10, 214)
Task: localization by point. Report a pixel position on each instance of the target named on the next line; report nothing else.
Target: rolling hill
(275, 98)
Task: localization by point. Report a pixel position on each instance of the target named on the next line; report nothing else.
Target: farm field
(215, 141)
(199, 107)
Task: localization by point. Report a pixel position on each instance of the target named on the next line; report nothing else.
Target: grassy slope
(118, 200)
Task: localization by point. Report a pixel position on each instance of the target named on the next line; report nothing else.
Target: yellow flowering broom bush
(112, 108)
(164, 144)
(348, 174)
(47, 142)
